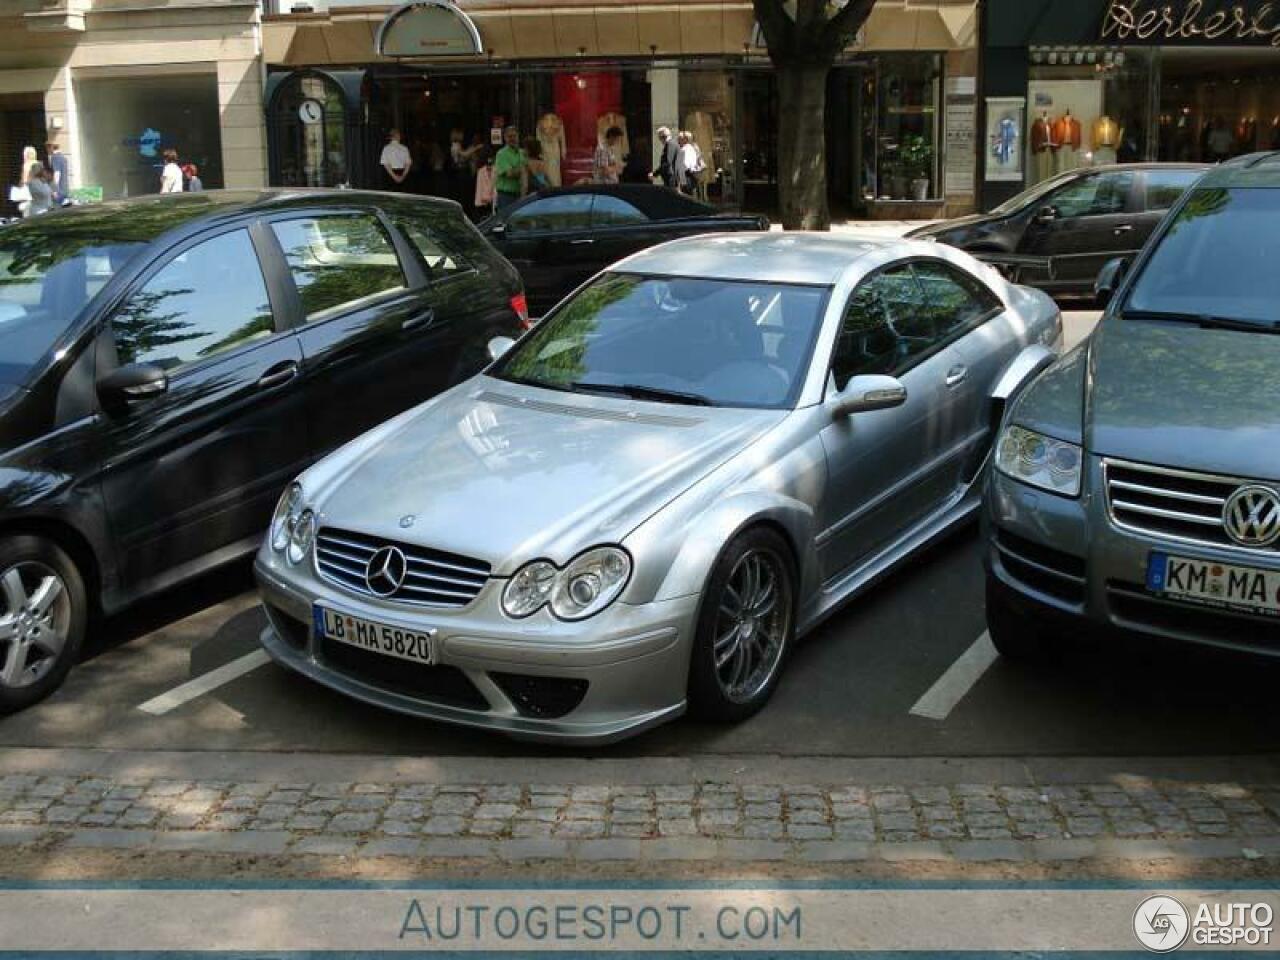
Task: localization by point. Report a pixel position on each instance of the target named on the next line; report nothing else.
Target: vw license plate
(415, 645)
(1206, 582)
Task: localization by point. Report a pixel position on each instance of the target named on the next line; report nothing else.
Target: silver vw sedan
(638, 507)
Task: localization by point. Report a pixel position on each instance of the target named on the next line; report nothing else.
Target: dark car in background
(168, 364)
(1058, 234)
(558, 239)
(1137, 481)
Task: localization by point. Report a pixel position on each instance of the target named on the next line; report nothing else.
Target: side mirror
(868, 392)
(1046, 215)
(133, 381)
(500, 345)
(498, 229)
(1109, 279)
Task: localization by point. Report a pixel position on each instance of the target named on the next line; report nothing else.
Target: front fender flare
(1022, 369)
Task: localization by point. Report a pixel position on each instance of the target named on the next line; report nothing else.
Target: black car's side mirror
(1046, 215)
(132, 382)
(498, 229)
(1109, 279)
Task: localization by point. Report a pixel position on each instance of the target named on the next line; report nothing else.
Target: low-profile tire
(1014, 634)
(43, 612)
(746, 626)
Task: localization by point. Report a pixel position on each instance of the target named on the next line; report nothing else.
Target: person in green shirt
(510, 168)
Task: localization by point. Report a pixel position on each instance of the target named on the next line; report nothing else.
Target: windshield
(1218, 259)
(1031, 194)
(714, 342)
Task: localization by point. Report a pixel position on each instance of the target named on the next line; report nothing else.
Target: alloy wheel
(752, 625)
(35, 616)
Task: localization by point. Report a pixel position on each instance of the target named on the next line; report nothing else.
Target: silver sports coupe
(638, 507)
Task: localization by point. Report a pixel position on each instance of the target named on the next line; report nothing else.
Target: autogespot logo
(1161, 924)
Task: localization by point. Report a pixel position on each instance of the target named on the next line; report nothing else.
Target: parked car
(1059, 233)
(168, 365)
(558, 239)
(1137, 482)
(690, 462)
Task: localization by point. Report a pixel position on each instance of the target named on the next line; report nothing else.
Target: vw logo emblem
(385, 571)
(1251, 516)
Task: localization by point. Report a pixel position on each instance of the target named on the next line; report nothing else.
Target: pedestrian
(687, 160)
(191, 173)
(607, 166)
(396, 159)
(666, 170)
(20, 193)
(485, 193)
(38, 182)
(171, 175)
(699, 168)
(538, 177)
(510, 170)
(61, 171)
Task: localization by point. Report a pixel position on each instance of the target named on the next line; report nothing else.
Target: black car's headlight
(590, 582)
(286, 517)
(1040, 461)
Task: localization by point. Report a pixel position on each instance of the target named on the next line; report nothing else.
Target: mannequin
(1066, 133)
(611, 119)
(551, 136)
(1106, 137)
(1043, 145)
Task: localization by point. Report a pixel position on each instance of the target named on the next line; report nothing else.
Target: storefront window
(706, 111)
(309, 117)
(127, 123)
(1086, 107)
(1217, 104)
(906, 133)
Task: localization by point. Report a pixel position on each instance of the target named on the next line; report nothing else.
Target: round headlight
(529, 589)
(590, 583)
(304, 532)
(286, 517)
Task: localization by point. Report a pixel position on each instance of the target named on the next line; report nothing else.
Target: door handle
(280, 374)
(575, 243)
(1123, 228)
(957, 375)
(423, 319)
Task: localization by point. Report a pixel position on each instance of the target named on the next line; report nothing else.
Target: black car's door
(197, 468)
(1158, 192)
(365, 318)
(619, 229)
(1094, 219)
(550, 241)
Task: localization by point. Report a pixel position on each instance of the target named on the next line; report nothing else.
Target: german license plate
(1209, 583)
(415, 645)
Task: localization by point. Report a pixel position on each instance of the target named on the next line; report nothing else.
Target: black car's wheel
(43, 611)
(745, 627)
(1014, 634)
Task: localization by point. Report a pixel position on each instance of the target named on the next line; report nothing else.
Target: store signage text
(1190, 21)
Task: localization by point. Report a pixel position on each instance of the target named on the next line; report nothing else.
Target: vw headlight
(304, 532)
(1040, 461)
(591, 582)
(286, 517)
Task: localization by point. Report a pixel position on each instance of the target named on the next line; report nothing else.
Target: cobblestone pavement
(674, 821)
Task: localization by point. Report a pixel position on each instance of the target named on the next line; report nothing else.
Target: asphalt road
(849, 689)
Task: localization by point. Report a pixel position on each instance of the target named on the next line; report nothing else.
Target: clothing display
(1106, 133)
(484, 187)
(1066, 132)
(551, 137)
(1042, 138)
(611, 119)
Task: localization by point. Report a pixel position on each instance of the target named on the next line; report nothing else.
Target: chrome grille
(433, 578)
(1179, 504)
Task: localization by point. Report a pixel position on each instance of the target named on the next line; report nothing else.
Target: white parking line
(950, 688)
(202, 684)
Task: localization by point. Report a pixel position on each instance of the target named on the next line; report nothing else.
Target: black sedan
(1059, 233)
(558, 239)
(168, 364)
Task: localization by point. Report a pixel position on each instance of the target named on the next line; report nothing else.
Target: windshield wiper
(1206, 321)
(638, 391)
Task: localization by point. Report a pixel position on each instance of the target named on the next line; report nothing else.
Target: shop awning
(559, 29)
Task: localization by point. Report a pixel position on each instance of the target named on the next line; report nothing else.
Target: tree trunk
(802, 146)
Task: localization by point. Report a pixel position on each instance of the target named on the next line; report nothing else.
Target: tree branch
(844, 26)
(778, 28)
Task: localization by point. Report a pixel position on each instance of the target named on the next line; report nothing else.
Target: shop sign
(311, 111)
(961, 135)
(428, 28)
(1192, 21)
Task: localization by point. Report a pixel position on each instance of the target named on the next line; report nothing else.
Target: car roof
(1251, 170)
(774, 257)
(657, 203)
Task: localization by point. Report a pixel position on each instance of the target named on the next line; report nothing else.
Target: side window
(885, 329)
(567, 211)
(1165, 187)
(337, 261)
(612, 212)
(207, 299)
(438, 258)
(954, 300)
(1094, 196)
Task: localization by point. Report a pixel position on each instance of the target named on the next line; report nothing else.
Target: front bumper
(596, 681)
(1067, 562)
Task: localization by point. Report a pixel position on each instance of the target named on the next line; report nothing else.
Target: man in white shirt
(396, 159)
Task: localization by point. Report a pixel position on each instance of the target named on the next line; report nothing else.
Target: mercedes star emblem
(386, 571)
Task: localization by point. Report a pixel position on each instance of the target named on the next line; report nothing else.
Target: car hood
(1181, 396)
(506, 473)
(947, 226)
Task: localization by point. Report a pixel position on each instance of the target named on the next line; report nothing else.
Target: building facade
(1075, 82)
(117, 82)
(901, 100)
